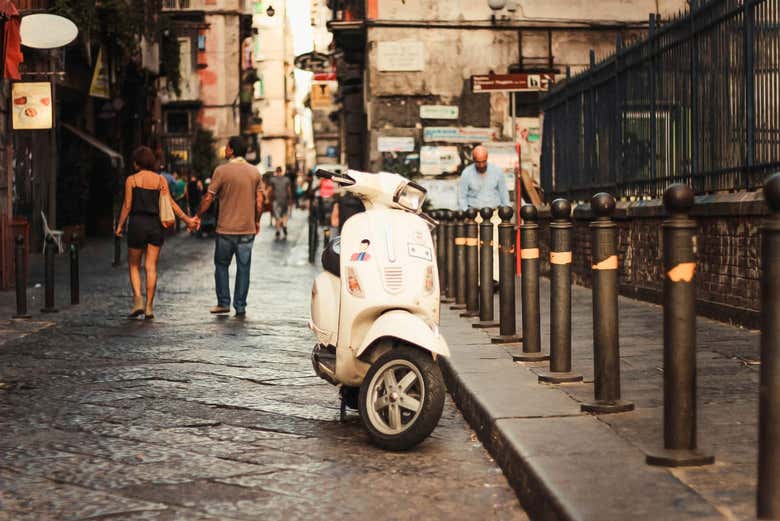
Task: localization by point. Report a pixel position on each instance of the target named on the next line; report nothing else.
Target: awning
(116, 158)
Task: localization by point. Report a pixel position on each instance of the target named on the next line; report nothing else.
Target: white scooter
(375, 311)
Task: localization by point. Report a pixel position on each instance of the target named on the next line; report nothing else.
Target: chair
(56, 235)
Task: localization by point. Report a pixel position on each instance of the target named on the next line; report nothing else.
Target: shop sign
(458, 134)
(321, 96)
(438, 112)
(31, 105)
(100, 86)
(512, 82)
(439, 160)
(395, 144)
(314, 61)
(400, 56)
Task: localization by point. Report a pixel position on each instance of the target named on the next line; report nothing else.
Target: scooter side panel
(325, 297)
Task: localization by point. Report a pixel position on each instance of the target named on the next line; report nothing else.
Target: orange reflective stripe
(610, 263)
(683, 272)
(529, 253)
(560, 257)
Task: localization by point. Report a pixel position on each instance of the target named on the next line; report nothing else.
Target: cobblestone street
(193, 417)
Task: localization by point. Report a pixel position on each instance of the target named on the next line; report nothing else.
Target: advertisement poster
(458, 134)
(439, 160)
(529, 136)
(442, 193)
(504, 156)
(99, 87)
(31, 106)
(395, 144)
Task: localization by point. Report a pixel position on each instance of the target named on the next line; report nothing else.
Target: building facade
(405, 75)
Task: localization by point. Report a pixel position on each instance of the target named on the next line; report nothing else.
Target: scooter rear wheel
(402, 398)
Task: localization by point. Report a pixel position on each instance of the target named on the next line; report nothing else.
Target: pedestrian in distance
(482, 184)
(238, 187)
(194, 194)
(179, 193)
(145, 236)
(281, 193)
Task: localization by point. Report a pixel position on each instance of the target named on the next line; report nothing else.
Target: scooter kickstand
(343, 410)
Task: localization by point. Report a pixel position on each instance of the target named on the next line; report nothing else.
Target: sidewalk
(567, 465)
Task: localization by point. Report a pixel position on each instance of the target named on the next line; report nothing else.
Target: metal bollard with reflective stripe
(486, 314)
(472, 265)
(506, 267)
(460, 260)
(529, 285)
(560, 296)
(448, 236)
(679, 335)
(606, 351)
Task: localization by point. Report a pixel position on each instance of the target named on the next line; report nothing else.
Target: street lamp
(270, 11)
(496, 5)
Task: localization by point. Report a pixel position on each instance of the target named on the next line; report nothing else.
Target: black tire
(432, 402)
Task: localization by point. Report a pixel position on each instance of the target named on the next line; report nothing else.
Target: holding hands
(193, 223)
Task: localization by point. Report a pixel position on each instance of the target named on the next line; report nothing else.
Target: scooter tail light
(353, 284)
(429, 280)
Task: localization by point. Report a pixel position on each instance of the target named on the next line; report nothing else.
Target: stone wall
(728, 249)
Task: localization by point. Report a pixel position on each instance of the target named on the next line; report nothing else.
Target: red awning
(12, 45)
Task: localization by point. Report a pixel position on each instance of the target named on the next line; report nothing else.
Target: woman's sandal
(149, 314)
(138, 308)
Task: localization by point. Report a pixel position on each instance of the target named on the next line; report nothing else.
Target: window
(177, 122)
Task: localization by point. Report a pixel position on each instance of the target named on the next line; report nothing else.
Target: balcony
(183, 5)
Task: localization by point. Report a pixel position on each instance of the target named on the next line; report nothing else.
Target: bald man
(482, 184)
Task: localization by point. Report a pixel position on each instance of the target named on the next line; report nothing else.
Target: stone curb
(563, 465)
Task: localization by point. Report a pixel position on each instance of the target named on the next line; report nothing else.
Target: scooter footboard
(405, 326)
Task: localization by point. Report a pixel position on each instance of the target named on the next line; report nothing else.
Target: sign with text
(458, 134)
(438, 112)
(521, 82)
(439, 160)
(400, 56)
(395, 144)
(321, 95)
(31, 106)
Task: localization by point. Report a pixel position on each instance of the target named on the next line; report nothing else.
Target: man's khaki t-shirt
(235, 185)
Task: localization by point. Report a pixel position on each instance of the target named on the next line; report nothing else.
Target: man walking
(281, 191)
(482, 184)
(238, 187)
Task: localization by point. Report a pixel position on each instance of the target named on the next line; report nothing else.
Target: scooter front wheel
(402, 398)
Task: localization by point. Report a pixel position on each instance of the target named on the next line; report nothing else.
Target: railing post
(532, 339)
(506, 269)
(679, 335)
(606, 350)
(21, 278)
(486, 271)
(750, 96)
(48, 277)
(768, 501)
(74, 269)
(694, 96)
(460, 261)
(653, 104)
(560, 296)
(472, 265)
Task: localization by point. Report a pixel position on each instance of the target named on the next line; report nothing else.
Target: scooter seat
(331, 257)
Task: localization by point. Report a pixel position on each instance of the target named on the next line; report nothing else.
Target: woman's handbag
(167, 217)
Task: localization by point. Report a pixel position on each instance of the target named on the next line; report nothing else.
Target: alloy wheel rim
(396, 394)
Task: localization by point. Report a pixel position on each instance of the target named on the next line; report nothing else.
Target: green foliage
(204, 157)
(116, 23)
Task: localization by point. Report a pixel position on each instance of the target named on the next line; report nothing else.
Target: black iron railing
(695, 102)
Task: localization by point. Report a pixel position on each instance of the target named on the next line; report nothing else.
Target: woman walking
(145, 229)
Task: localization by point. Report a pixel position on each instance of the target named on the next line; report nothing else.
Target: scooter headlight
(410, 197)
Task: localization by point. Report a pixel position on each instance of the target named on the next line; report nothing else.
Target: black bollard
(449, 250)
(679, 335)
(48, 277)
(486, 315)
(460, 261)
(506, 268)
(560, 296)
(74, 269)
(606, 351)
(768, 500)
(529, 286)
(21, 278)
(472, 265)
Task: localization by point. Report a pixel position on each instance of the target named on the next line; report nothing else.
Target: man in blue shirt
(482, 184)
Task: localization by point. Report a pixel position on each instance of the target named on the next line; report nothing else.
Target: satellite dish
(47, 31)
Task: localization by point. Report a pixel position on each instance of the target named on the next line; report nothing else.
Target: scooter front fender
(403, 325)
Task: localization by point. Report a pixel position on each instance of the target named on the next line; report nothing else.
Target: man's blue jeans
(241, 247)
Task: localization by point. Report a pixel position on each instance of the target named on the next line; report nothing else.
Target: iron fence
(697, 101)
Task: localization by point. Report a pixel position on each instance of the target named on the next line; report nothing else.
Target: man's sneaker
(219, 310)
(240, 314)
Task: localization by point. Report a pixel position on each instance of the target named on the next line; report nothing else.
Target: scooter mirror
(323, 174)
